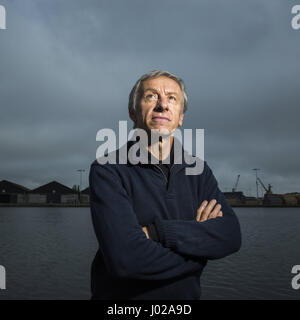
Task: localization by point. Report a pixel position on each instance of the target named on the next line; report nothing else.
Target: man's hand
(208, 211)
(146, 231)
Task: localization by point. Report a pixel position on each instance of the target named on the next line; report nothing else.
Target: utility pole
(80, 171)
(256, 169)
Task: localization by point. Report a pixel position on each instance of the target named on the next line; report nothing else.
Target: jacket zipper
(163, 172)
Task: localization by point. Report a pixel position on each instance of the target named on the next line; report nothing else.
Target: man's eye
(172, 98)
(150, 96)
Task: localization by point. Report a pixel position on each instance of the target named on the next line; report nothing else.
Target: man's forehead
(164, 83)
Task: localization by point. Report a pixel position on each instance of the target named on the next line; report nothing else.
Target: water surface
(47, 253)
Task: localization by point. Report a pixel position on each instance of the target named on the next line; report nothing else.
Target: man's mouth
(160, 119)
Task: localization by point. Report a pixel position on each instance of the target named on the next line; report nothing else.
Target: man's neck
(162, 148)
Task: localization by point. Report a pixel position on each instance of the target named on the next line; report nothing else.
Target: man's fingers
(208, 210)
(215, 212)
(200, 210)
(146, 232)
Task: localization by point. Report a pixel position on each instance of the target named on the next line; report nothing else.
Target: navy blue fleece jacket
(125, 197)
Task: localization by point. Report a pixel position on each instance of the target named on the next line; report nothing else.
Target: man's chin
(163, 132)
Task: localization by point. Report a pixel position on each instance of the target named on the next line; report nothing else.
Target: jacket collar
(182, 158)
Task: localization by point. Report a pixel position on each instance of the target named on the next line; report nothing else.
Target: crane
(236, 183)
(269, 190)
(256, 169)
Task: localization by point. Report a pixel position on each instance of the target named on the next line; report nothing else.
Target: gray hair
(135, 93)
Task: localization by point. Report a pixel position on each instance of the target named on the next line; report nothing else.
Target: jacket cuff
(152, 231)
(166, 233)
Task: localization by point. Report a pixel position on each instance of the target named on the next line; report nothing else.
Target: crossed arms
(207, 210)
(128, 253)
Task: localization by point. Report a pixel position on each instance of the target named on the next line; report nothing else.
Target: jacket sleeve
(212, 239)
(126, 250)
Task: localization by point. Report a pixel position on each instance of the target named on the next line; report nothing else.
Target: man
(156, 225)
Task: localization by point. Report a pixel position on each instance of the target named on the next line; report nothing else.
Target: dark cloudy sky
(67, 66)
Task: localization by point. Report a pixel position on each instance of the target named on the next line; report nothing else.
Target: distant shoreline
(48, 205)
(59, 205)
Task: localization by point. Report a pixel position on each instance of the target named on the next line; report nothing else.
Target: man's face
(160, 106)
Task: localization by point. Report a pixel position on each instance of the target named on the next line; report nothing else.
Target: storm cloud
(67, 67)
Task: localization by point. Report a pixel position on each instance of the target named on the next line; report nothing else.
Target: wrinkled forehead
(163, 84)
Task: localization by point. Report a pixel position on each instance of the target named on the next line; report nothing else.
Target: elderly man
(156, 225)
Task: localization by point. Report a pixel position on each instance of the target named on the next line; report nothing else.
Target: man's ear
(132, 116)
(181, 116)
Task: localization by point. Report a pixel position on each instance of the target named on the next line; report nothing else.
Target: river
(47, 253)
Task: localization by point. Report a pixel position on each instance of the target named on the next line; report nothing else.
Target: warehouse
(12, 193)
(85, 196)
(52, 192)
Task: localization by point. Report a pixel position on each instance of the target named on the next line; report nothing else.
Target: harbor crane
(269, 190)
(236, 183)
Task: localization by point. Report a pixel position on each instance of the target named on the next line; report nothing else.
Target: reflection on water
(47, 253)
(262, 268)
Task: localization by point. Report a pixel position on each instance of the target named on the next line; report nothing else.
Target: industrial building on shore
(52, 193)
(238, 199)
(57, 194)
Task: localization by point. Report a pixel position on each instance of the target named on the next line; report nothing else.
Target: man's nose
(162, 104)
